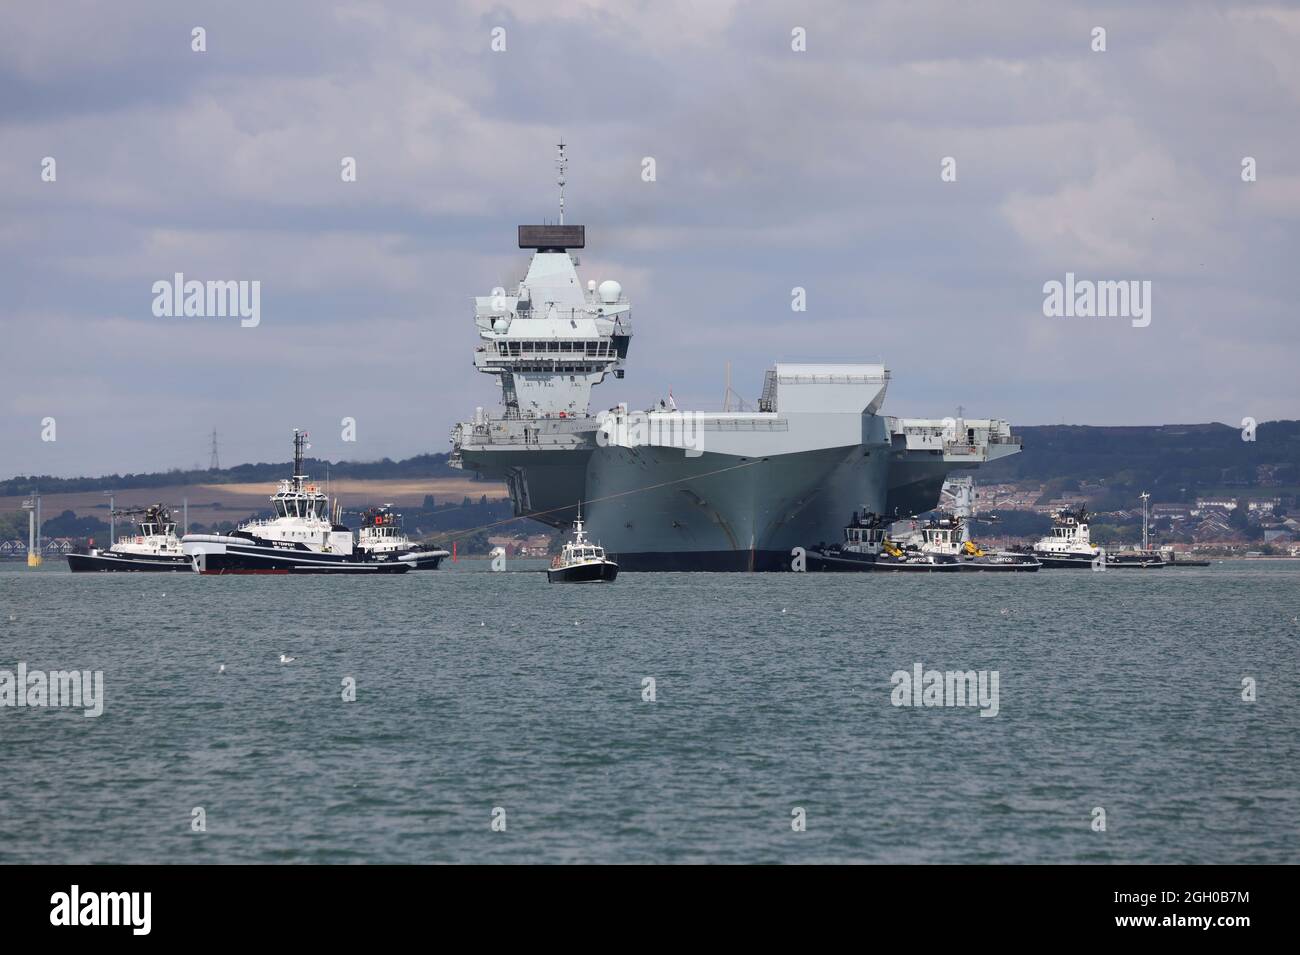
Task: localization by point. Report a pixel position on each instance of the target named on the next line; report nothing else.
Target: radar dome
(610, 291)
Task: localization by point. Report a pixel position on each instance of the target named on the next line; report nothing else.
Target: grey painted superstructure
(674, 490)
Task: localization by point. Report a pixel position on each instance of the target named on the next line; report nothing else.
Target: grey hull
(656, 509)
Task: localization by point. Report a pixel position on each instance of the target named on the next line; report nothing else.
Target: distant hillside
(420, 466)
(1173, 462)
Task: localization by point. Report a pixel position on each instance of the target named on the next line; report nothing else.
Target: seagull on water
(222, 668)
(286, 659)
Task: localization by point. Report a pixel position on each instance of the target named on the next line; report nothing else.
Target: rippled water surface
(477, 690)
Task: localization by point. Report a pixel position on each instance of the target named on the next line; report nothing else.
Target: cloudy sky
(775, 169)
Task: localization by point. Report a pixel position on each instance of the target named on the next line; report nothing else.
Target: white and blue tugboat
(302, 536)
(154, 547)
(1070, 545)
(381, 534)
(581, 561)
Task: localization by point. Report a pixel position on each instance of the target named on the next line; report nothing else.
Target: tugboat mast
(299, 444)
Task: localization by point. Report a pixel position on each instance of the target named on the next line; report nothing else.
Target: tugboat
(154, 546)
(867, 547)
(948, 534)
(302, 537)
(1068, 544)
(1143, 559)
(1171, 558)
(381, 533)
(581, 561)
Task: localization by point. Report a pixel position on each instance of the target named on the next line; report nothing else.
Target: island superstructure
(675, 490)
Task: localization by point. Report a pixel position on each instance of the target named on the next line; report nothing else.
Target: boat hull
(1120, 561)
(214, 555)
(996, 566)
(110, 562)
(660, 510)
(424, 560)
(847, 561)
(1138, 561)
(1064, 561)
(593, 573)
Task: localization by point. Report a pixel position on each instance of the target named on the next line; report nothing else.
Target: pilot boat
(154, 546)
(381, 534)
(867, 547)
(303, 536)
(581, 561)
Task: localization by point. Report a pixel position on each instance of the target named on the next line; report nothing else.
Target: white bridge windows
(592, 349)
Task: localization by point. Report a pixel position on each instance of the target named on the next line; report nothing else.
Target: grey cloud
(775, 168)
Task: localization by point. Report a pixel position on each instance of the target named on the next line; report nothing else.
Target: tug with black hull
(153, 548)
(1069, 545)
(867, 548)
(949, 535)
(302, 537)
(381, 534)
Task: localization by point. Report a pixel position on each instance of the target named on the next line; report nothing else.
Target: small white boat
(581, 561)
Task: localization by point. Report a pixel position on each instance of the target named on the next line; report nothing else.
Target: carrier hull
(657, 508)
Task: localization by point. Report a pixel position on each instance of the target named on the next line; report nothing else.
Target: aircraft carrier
(665, 489)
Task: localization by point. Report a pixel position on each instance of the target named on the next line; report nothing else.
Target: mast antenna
(561, 163)
(214, 463)
(299, 445)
